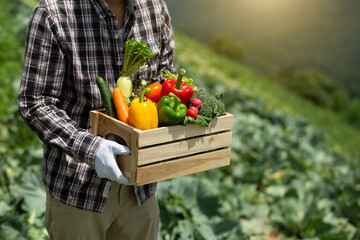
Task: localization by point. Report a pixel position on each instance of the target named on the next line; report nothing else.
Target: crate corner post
(94, 122)
(134, 155)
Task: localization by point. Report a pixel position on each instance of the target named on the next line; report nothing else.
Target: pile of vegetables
(176, 101)
(136, 54)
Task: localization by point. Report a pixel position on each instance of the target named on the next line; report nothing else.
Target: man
(70, 43)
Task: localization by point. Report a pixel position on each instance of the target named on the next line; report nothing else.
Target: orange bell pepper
(143, 114)
(155, 92)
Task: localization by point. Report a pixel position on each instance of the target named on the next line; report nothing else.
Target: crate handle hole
(117, 139)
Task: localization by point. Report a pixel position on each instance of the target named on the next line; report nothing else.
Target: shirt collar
(132, 6)
(103, 9)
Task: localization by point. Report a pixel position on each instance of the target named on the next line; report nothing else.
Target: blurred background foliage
(314, 86)
(303, 46)
(295, 168)
(228, 46)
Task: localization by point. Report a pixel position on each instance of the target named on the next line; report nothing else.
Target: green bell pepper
(171, 110)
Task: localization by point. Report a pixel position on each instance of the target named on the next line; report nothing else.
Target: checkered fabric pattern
(70, 43)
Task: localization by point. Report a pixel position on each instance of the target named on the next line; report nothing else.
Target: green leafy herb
(200, 120)
(137, 53)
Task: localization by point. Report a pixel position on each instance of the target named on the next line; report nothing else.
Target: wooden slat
(94, 122)
(184, 166)
(134, 157)
(124, 163)
(183, 148)
(109, 125)
(171, 133)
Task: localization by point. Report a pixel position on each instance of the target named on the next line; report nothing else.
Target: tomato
(195, 109)
(191, 113)
(155, 92)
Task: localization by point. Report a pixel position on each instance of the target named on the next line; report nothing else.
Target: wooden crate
(168, 152)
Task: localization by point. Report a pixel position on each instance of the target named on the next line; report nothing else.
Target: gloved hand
(105, 161)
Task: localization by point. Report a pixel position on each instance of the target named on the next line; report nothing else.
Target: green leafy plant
(136, 54)
(285, 180)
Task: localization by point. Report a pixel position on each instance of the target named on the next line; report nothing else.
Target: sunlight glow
(271, 6)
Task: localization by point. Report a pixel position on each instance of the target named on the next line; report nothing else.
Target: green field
(294, 170)
(344, 137)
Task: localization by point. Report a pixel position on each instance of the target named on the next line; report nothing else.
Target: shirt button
(116, 36)
(118, 63)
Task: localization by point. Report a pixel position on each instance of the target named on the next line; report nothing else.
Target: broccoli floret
(212, 105)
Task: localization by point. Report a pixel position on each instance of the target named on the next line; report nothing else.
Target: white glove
(105, 161)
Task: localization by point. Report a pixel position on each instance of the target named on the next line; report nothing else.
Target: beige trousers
(121, 219)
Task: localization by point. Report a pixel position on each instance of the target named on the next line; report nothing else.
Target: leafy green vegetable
(285, 180)
(212, 105)
(190, 208)
(137, 53)
(201, 120)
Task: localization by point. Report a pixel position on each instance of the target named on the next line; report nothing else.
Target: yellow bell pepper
(143, 114)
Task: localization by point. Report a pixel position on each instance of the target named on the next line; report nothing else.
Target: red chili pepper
(181, 89)
(191, 113)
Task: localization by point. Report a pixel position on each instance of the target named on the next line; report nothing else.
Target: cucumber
(109, 105)
(107, 97)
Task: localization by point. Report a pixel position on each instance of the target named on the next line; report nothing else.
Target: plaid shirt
(70, 43)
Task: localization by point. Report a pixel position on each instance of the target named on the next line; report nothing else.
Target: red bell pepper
(181, 89)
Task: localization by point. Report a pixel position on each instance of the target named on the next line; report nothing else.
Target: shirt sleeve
(41, 86)
(167, 52)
